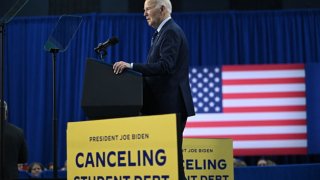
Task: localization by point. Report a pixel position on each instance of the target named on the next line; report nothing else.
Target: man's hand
(118, 67)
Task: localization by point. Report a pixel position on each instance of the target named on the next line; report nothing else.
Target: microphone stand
(54, 52)
(102, 53)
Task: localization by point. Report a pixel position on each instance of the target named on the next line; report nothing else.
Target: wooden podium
(120, 144)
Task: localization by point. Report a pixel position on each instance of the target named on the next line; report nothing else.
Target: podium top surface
(130, 71)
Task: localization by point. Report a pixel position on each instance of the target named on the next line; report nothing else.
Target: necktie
(154, 37)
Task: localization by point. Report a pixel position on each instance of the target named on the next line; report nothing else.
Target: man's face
(152, 13)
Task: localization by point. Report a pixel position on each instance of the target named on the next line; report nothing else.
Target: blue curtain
(215, 38)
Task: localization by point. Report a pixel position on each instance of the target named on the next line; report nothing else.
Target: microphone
(110, 42)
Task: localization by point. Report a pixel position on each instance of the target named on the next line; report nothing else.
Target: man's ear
(161, 8)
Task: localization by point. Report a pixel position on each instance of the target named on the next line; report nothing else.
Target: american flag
(261, 107)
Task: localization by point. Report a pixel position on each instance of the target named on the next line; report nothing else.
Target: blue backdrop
(215, 38)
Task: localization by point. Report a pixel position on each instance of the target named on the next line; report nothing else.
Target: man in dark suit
(166, 81)
(15, 148)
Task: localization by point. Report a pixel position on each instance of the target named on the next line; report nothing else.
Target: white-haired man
(166, 81)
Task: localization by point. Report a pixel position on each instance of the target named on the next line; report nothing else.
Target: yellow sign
(208, 159)
(137, 148)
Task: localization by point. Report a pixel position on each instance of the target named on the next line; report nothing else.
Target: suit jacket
(166, 74)
(15, 150)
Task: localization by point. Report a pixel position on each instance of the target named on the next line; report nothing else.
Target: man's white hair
(165, 3)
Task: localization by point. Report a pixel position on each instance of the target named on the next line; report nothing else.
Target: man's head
(156, 11)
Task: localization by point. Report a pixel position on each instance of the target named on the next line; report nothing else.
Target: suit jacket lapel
(156, 38)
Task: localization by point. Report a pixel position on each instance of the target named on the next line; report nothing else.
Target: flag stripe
(263, 88)
(264, 102)
(239, 75)
(245, 130)
(264, 67)
(254, 137)
(263, 81)
(268, 116)
(294, 143)
(270, 151)
(246, 123)
(265, 109)
(263, 95)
